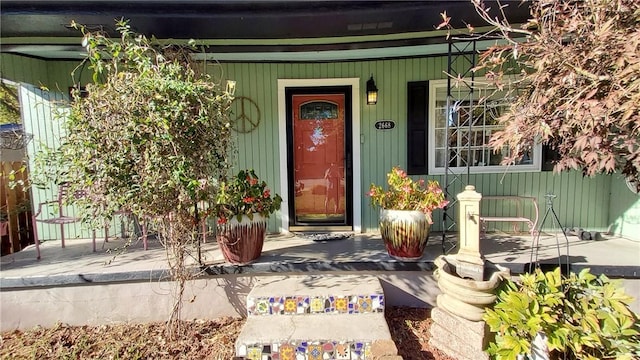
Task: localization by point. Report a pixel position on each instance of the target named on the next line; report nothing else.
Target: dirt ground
(410, 331)
(199, 340)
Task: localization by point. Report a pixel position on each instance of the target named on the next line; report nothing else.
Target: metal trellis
(460, 76)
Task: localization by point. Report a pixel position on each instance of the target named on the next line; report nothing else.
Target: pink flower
(266, 194)
(404, 193)
(401, 173)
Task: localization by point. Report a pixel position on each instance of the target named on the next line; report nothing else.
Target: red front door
(320, 167)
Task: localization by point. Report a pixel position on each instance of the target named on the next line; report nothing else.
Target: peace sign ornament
(247, 114)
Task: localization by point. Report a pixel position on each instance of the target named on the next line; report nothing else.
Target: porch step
(315, 336)
(328, 294)
(316, 317)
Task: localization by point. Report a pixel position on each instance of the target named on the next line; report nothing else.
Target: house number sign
(385, 125)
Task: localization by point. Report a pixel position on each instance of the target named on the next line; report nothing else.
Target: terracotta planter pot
(404, 232)
(241, 241)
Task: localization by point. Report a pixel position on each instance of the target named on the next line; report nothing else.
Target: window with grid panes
(471, 124)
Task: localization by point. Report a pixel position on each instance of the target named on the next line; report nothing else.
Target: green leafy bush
(583, 317)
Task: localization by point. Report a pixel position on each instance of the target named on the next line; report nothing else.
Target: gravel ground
(199, 340)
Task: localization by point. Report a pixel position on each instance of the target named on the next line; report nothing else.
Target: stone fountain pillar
(471, 261)
(467, 283)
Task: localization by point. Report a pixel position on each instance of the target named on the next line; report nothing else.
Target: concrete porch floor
(613, 256)
(408, 283)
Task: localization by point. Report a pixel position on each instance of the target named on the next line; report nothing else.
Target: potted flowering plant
(406, 212)
(242, 207)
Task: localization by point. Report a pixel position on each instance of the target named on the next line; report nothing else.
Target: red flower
(245, 194)
(222, 220)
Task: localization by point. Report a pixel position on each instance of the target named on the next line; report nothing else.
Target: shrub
(582, 316)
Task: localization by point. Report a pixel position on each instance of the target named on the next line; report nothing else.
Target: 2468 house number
(385, 125)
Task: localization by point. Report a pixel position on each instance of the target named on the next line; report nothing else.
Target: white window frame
(434, 85)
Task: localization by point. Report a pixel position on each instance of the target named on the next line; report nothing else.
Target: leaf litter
(198, 339)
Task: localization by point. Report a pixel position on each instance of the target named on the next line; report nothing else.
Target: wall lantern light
(231, 87)
(372, 92)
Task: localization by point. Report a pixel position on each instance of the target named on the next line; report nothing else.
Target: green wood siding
(583, 202)
(41, 119)
(23, 69)
(624, 210)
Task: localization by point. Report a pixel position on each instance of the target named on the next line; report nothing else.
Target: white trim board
(282, 135)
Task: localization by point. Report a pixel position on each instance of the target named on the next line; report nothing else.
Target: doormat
(325, 236)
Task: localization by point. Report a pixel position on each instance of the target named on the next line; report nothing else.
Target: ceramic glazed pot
(241, 241)
(404, 233)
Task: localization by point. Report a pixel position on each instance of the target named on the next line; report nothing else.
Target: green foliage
(405, 194)
(151, 135)
(9, 104)
(583, 317)
(245, 194)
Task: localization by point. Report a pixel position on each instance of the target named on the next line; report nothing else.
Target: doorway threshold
(320, 228)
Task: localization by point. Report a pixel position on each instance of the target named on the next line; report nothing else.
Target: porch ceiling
(241, 27)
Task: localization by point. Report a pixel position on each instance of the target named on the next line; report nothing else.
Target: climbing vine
(150, 135)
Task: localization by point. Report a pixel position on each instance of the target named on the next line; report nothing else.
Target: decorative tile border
(316, 350)
(300, 305)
